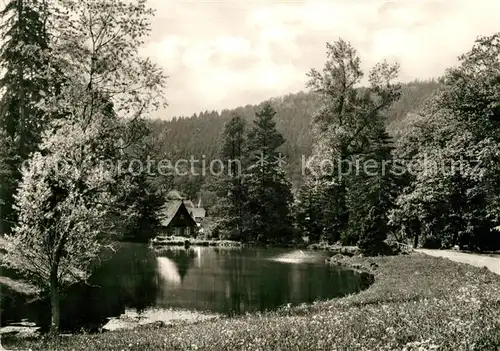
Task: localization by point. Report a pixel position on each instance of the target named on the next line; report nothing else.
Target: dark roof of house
(169, 210)
(175, 199)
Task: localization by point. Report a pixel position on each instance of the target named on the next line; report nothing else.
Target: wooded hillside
(200, 134)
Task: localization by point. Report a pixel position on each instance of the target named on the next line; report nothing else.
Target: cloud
(229, 53)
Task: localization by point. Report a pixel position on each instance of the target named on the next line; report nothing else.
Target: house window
(188, 231)
(177, 231)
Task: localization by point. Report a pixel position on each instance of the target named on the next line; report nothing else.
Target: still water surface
(217, 280)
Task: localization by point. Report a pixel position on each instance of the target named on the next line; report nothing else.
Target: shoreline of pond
(177, 241)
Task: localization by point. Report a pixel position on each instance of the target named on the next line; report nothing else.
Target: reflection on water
(298, 256)
(168, 271)
(181, 258)
(220, 280)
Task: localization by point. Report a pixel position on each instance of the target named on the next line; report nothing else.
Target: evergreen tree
(269, 193)
(8, 182)
(373, 234)
(22, 59)
(230, 186)
(309, 212)
(145, 196)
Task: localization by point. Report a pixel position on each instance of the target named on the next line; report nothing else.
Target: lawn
(416, 303)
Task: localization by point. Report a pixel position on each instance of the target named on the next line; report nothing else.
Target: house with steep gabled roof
(175, 219)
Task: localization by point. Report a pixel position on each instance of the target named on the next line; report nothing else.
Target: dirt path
(492, 263)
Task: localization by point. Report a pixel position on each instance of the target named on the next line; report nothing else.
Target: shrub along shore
(417, 302)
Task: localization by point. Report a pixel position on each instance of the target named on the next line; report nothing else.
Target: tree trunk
(415, 227)
(54, 302)
(454, 240)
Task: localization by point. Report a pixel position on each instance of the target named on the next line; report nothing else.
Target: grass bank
(416, 303)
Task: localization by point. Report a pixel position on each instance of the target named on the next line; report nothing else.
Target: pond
(196, 280)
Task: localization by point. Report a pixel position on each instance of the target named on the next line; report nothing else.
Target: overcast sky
(223, 54)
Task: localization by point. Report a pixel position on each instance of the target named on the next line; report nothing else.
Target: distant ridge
(200, 134)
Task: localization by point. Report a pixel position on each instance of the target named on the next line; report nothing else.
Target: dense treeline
(439, 183)
(404, 130)
(451, 150)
